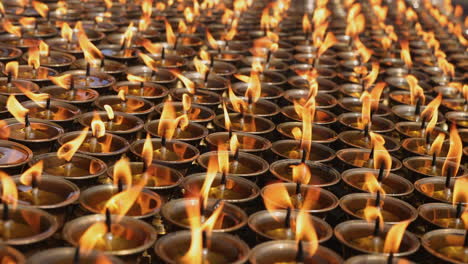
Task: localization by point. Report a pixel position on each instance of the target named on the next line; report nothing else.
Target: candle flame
(329, 41)
(211, 40)
(135, 78)
(405, 53)
(43, 49)
(200, 67)
(170, 36)
(97, 126)
(41, 8)
(9, 190)
(370, 79)
(447, 67)
(27, 21)
(364, 52)
(460, 193)
(10, 28)
(301, 173)
(254, 87)
(147, 151)
(169, 122)
(455, 152)
(306, 26)
(204, 55)
(416, 91)
(91, 53)
(67, 32)
(371, 213)
(237, 103)
(63, 81)
(431, 110)
(122, 172)
(197, 227)
(34, 59)
(211, 173)
(67, 150)
(276, 196)
(305, 231)
(227, 120)
(153, 48)
(394, 237)
(189, 85)
(437, 144)
(126, 41)
(16, 109)
(93, 237)
(122, 202)
(148, 61)
(381, 156)
(34, 171)
(38, 98)
(372, 185)
(11, 68)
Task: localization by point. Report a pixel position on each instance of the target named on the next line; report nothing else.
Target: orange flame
(306, 26)
(329, 41)
(9, 190)
(97, 126)
(460, 195)
(382, 158)
(169, 122)
(150, 62)
(436, 146)
(372, 76)
(27, 21)
(127, 37)
(416, 91)
(305, 231)
(122, 172)
(211, 173)
(91, 53)
(63, 81)
(147, 151)
(394, 237)
(189, 85)
(67, 150)
(371, 213)
(16, 109)
(201, 68)
(170, 36)
(43, 49)
(135, 78)
(372, 185)
(11, 68)
(153, 48)
(455, 152)
(34, 57)
(405, 53)
(301, 173)
(66, 32)
(39, 98)
(197, 226)
(365, 117)
(447, 67)
(211, 40)
(41, 8)
(431, 108)
(93, 237)
(227, 120)
(254, 87)
(362, 50)
(204, 55)
(10, 28)
(34, 171)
